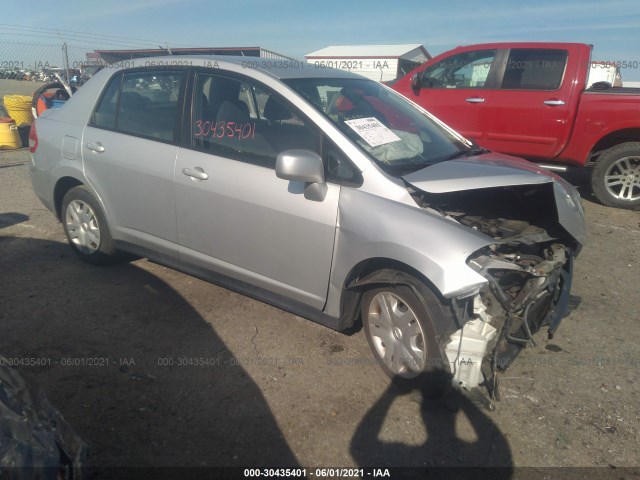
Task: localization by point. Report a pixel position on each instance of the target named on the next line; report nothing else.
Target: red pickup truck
(531, 100)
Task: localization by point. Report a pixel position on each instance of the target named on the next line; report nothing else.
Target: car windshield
(398, 136)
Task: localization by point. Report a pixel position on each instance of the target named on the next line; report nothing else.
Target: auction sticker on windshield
(372, 131)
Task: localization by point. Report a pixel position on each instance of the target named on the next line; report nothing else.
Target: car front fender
(373, 227)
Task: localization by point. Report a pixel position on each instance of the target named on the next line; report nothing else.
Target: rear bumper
(41, 186)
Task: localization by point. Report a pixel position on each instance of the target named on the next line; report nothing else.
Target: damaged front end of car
(528, 287)
(537, 229)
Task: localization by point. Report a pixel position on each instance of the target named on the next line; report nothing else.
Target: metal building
(383, 63)
(114, 56)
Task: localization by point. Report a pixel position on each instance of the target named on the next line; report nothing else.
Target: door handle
(474, 100)
(195, 173)
(95, 147)
(554, 103)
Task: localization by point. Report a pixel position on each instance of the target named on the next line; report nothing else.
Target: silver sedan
(320, 192)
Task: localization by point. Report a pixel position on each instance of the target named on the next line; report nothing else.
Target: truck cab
(517, 98)
(546, 102)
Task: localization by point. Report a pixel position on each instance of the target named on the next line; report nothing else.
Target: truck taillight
(33, 138)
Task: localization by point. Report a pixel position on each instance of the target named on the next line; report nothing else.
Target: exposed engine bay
(528, 272)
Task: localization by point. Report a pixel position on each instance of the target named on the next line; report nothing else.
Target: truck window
(534, 69)
(464, 70)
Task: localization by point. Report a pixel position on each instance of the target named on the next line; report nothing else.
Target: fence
(38, 61)
(25, 66)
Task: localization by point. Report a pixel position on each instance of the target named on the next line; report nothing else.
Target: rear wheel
(615, 179)
(399, 328)
(86, 227)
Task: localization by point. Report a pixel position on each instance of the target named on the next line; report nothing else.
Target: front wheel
(399, 328)
(615, 179)
(86, 227)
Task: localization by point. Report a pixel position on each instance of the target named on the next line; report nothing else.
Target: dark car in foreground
(320, 192)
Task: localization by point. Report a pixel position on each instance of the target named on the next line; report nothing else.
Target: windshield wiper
(474, 150)
(478, 150)
(406, 167)
(458, 154)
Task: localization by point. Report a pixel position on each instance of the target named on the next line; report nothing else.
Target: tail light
(33, 138)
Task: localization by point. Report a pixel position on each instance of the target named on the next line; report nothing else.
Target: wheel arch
(612, 139)
(373, 272)
(63, 185)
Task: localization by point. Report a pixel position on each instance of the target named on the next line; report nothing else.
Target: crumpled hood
(493, 170)
(483, 171)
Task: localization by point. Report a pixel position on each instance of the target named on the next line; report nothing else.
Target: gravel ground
(118, 346)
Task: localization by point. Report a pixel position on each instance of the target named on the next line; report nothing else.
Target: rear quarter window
(104, 115)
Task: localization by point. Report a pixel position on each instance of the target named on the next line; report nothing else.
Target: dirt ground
(156, 368)
(18, 87)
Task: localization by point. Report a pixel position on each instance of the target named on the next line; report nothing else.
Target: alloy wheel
(622, 179)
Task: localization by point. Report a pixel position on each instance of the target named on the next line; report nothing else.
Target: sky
(296, 28)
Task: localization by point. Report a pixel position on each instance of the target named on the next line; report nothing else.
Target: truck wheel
(399, 328)
(615, 179)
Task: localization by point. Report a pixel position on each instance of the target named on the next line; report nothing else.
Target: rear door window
(142, 103)
(534, 69)
(149, 104)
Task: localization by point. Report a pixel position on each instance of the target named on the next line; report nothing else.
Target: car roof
(280, 68)
(549, 45)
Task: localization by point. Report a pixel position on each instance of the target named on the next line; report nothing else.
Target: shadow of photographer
(459, 433)
(108, 344)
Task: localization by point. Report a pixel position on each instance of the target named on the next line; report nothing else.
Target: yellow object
(9, 136)
(19, 108)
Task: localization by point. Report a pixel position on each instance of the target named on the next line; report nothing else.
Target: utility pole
(65, 61)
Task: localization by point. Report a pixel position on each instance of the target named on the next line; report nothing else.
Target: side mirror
(416, 82)
(300, 165)
(303, 166)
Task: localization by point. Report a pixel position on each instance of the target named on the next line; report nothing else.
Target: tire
(615, 179)
(406, 347)
(40, 91)
(86, 227)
